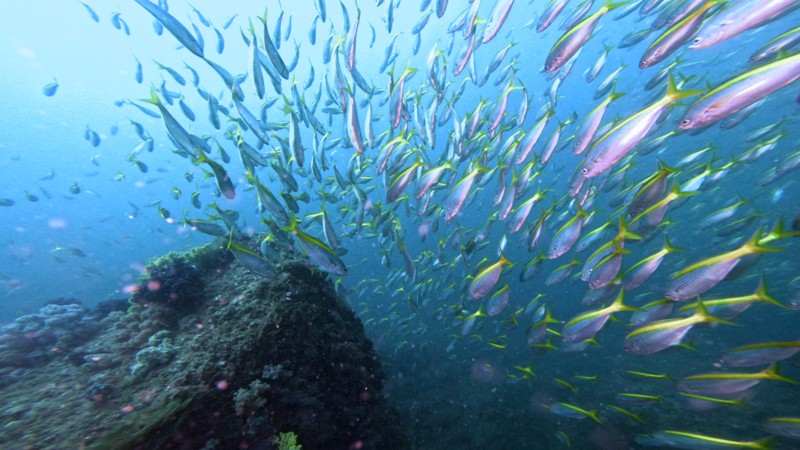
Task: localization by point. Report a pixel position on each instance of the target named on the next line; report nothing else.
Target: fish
(574, 412)
(573, 40)
(705, 403)
(138, 76)
(775, 46)
(320, 254)
(677, 35)
(638, 273)
(561, 273)
(593, 72)
(458, 195)
(703, 275)
(272, 51)
(350, 42)
(783, 426)
(532, 137)
(74, 251)
(550, 14)
(586, 325)
(205, 226)
(92, 14)
(567, 235)
(174, 27)
(660, 335)
(741, 91)
(623, 137)
(688, 440)
(498, 302)
(174, 128)
(267, 200)
(50, 89)
(727, 383)
(251, 260)
(730, 307)
(224, 182)
(739, 17)
(486, 279)
(591, 123)
(401, 181)
(497, 17)
(758, 354)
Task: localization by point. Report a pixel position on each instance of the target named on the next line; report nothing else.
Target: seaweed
(287, 441)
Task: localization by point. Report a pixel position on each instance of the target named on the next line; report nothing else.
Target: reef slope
(206, 354)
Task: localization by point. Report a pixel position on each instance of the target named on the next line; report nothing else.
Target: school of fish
(473, 211)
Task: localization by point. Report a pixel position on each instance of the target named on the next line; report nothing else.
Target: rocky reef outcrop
(205, 355)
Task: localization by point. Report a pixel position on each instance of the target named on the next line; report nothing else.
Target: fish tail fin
(153, 100)
(612, 5)
(293, 224)
(777, 232)
(689, 346)
(674, 94)
(614, 94)
(504, 261)
(548, 317)
(762, 295)
(627, 308)
(667, 170)
(707, 317)
(676, 190)
(624, 233)
(772, 373)
(766, 443)
(201, 156)
(669, 248)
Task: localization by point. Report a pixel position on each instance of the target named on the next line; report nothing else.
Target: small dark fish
(186, 110)
(91, 12)
(200, 16)
(220, 41)
(195, 76)
(144, 110)
(92, 137)
(229, 22)
(196, 200)
(49, 175)
(174, 26)
(74, 251)
(164, 213)
(6, 202)
(51, 88)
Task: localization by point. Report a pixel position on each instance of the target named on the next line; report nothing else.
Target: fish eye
(643, 64)
(585, 170)
(697, 40)
(684, 122)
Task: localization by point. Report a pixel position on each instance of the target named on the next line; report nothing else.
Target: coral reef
(207, 355)
(34, 339)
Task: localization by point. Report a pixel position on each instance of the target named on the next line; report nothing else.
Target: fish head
(553, 64)
(650, 58)
(699, 119)
(714, 35)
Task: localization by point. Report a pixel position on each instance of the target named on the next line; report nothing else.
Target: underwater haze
(564, 224)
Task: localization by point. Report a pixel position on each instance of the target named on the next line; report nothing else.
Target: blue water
(455, 388)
